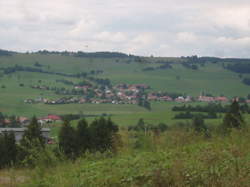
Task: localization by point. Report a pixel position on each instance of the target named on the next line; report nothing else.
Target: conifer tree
(140, 125)
(83, 136)
(233, 119)
(11, 146)
(2, 120)
(8, 149)
(33, 135)
(67, 140)
(198, 124)
(102, 132)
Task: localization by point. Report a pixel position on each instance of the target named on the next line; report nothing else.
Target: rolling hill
(186, 75)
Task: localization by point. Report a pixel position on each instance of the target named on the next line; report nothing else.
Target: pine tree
(33, 135)
(2, 120)
(233, 119)
(198, 124)
(2, 151)
(13, 121)
(11, 146)
(98, 135)
(147, 105)
(8, 149)
(140, 125)
(102, 132)
(67, 140)
(83, 136)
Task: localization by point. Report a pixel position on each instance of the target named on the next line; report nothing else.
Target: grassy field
(173, 158)
(211, 78)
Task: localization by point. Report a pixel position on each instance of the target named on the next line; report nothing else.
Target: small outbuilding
(18, 132)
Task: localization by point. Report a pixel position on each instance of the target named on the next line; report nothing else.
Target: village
(118, 94)
(21, 121)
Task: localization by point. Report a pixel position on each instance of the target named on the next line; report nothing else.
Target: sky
(141, 27)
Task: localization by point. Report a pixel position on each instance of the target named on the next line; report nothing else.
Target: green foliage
(83, 136)
(68, 140)
(141, 126)
(233, 119)
(8, 149)
(34, 156)
(33, 135)
(98, 136)
(102, 132)
(142, 102)
(198, 124)
(162, 127)
(2, 120)
(176, 158)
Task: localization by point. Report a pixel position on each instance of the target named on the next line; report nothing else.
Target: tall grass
(174, 158)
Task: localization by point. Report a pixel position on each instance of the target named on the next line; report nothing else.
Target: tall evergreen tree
(233, 118)
(102, 132)
(13, 121)
(147, 105)
(67, 140)
(198, 124)
(8, 149)
(2, 120)
(83, 136)
(33, 135)
(11, 146)
(140, 125)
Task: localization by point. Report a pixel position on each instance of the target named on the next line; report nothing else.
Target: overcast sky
(141, 27)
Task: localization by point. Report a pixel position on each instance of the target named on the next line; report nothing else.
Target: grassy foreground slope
(175, 158)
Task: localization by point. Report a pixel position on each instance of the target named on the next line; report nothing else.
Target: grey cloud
(143, 27)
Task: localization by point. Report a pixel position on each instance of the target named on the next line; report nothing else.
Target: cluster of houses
(212, 99)
(155, 97)
(119, 94)
(24, 121)
(49, 119)
(20, 121)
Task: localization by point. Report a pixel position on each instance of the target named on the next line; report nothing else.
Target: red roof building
(51, 117)
(221, 99)
(54, 117)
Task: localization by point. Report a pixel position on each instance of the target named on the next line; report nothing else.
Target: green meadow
(176, 157)
(211, 78)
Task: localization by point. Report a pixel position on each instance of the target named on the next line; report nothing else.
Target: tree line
(211, 107)
(16, 68)
(161, 67)
(189, 115)
(98, 136)
(85, 54)
(201, 108)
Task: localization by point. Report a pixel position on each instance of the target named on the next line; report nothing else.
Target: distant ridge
(115, 54)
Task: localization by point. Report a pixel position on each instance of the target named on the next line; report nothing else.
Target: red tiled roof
(54, 117)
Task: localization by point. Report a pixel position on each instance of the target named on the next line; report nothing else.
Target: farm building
(20, 131)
